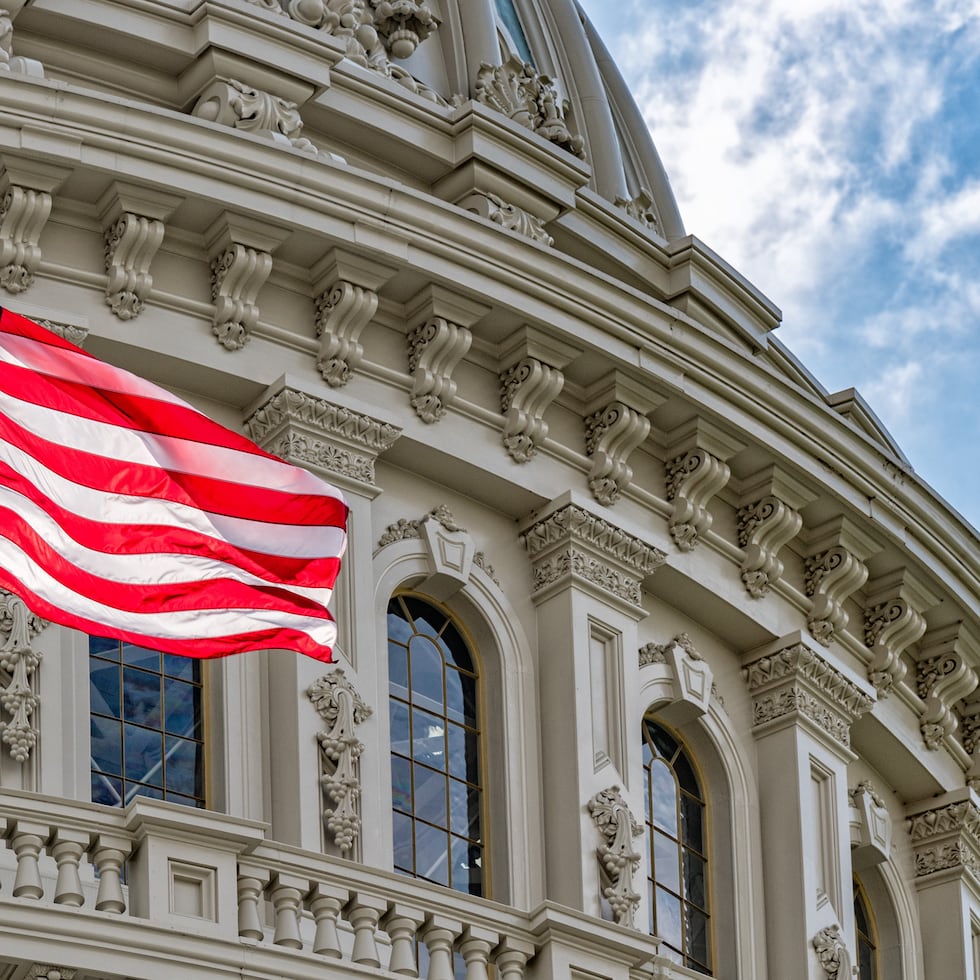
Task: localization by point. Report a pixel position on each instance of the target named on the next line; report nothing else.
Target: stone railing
(135, 878)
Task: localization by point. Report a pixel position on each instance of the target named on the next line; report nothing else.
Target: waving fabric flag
(125, 512)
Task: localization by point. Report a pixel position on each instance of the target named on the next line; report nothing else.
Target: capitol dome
(655, 659)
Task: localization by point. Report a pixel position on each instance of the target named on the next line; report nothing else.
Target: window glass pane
(143, 752)
(663, 797)
(669, 918)
(104, 687)
(431, 853)
(663, 744)
(106, 746)
(695, 889)
(106, 791)
(692, 822)
(402, 827)
(183, 710)
(401, 784)
(467, 874)
(398, 718)
(141, 697)
(429, 738)
(102, 646)
(426, 667)
(183, 667)
(464, 759)
(426, 620)
(696, 928)
(464, 809)
(685, 775)
(398, 669)
(666, 862)
(398, 628)
(182, 767)
(457, 652)
(430, 796)
(140, 657)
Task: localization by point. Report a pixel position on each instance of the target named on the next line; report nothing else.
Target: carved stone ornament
(617, 859)
(530, 99)
(526, 391)
(641, 207)
(947, 838)
(18, 662)
(315, 433)
(681, 678)
(832, 953)
(943, 677)
(66, 331)
(870, 826)
(8, 62)
(611, 434)
(45, 971)
(656, 653)
(403, 25)
(494, 208)
(342, 708)
(237, 275)
(131, 242)
(24, 211)
(763, 528)
(233, 103)
(692, 480)
(831, 576)
(571, 545)
(435, 347)
(342, 312)
(796, 682)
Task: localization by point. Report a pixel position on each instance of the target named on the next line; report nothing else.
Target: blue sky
(830, 150)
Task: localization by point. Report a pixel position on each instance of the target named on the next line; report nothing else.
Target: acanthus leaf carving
(131, 242)
(617, 858)
(66, 331)
(526, 391)
(342, 312)
(763, 528)
(943, 677)
(530, 99)
(405, 530)
(611, 435)
(237, 275)
(831, 576)
(693, 478)
(342, 708)
(402, 25)
(435, 347)
(946, 838)
(494, 208)
(642, 208)
(233, 103)
(18, 661)
(832, 953)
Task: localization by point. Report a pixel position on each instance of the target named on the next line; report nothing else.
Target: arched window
(676, 835)
(867, 938)
(436, 784)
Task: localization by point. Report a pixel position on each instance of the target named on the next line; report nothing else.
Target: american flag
(125, 512)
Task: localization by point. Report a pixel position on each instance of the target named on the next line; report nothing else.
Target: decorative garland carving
(131, 242)
(832, 953)
(797, 680)
(434, 349)
(235, 104)
(889, 629)
(763, 528)
(831, 576)
(342, 312)
(656, 653)
(237, 275)
(692, 480)
(405, 530)
(314, 432)
(617, 858)
(66, 331)
(611, 434)
(342, 708)
(18, 661)
(517, 90)
(526, 391)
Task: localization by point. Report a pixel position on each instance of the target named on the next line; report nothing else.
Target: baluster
(67, 847)
(326, 901)
(475, 947)
(511, 957)
(402, 924)
(108, 855)
(363, 913)
(26, 841)
(286, 895)
(438, 935)
(251, 884)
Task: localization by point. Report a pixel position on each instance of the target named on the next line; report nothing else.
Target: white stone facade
(373, 236)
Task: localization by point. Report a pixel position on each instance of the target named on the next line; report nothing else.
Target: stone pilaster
(803, 708)
(587, 586)
(945, 835)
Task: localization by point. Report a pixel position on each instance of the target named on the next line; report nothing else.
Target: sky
(830, 151)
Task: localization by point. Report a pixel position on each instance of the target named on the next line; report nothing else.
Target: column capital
(569, 545)
(335, 441)
(945, 835)
(792, 683)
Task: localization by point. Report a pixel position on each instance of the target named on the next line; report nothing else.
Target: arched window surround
(510, 746)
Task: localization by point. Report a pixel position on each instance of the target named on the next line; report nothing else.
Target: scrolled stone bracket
(342, 708)
(618, 860)
(18, 663)
(893, 621)
(791, 682)
(25, 206)
(834, 570)
(696, 471)
(241, 250)
(317, 434)
(943, 677)
(133, 222)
